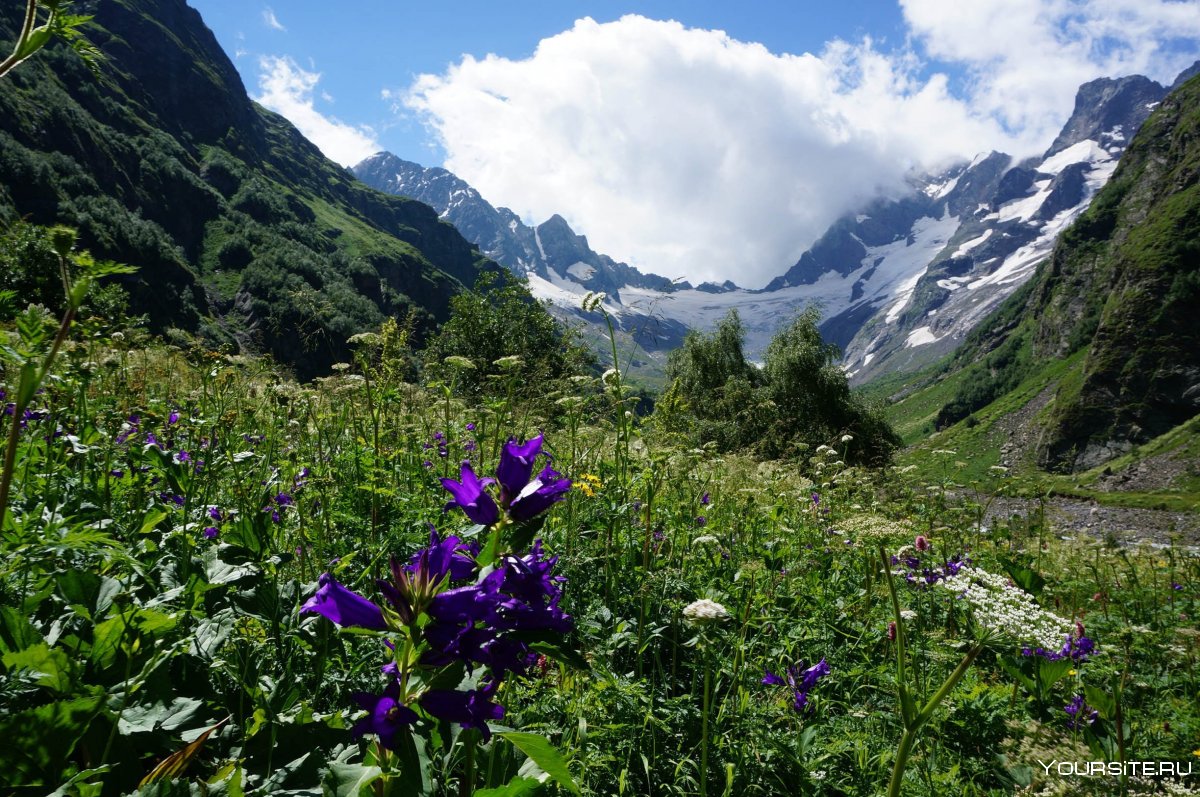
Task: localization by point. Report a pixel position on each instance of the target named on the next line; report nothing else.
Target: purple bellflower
(343, 606)
(800, 680)
(470, 496)
(470, 709)
(539, 495)
(386, 716)
(1080, 713)
(516, 467)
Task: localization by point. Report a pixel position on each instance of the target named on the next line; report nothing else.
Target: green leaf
(413, 777)
(1100, 700)
(349, 780)
(1051, 672)
(152, 520)
(158, 716)
(36, 41)
(106, 641)
(544, 754)
(1024, 577)
(39, 741)
(1017, 672)
(51, 666)
(16, 632)
(517, 787)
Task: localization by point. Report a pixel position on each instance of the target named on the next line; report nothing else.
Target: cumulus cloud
(287, 89)
(692, 154)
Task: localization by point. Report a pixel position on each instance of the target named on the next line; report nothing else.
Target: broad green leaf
(40, 739)
(158, 716)
(16, 632)
(50, 665)
(152, 519)
(517, 787)
(349, 780)
(1024, 577)
(1051, 672)
(38, 38)
(106, 641)
(1100, 700)
(545, 756)
(413, 777)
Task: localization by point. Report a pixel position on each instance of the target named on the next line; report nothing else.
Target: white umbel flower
(704, 611)
(1000, 607)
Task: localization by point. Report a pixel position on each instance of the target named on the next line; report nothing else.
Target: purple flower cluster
(459, 609)
(1076, 648)
(923, 573)
(1080, 713)
(522, 495)
(479, 624)
(800, 680)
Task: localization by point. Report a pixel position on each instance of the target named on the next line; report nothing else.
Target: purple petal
(344, 607)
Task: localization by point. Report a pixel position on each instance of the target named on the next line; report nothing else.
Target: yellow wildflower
(588, 484)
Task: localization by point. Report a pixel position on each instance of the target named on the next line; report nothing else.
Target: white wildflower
(908, 614)
(707, 539)
(998, 606)
(846, 438)
(704, 611)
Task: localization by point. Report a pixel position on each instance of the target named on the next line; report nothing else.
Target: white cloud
(272, 21)
(695, 155)
(1028, 57)
(287, 89)
(684, 151)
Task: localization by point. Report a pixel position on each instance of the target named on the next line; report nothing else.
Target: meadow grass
(172, 511)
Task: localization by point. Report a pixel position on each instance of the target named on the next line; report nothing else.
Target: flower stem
(704, 726)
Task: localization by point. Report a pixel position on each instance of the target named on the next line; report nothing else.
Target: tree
(800, 398)
(494, 322)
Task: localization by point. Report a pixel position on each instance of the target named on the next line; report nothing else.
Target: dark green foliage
(799, 398)
(29, 269)
(241, 230)
(499, 319)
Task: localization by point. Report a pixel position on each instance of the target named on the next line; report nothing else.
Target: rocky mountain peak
(1109, 110)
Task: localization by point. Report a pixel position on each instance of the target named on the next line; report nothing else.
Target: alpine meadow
(334, 478)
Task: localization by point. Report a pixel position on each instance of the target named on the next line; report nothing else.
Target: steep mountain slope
(1100, 351)
(1008, 223)
(240, 228)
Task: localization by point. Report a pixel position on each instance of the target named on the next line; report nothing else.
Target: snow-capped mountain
(1006, 218)
(558, 264)
(899, 282)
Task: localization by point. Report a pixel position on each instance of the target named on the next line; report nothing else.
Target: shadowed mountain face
(240, 228)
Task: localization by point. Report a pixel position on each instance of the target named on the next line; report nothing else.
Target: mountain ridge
(242, 230)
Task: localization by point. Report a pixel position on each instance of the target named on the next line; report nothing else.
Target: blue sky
(694, 138)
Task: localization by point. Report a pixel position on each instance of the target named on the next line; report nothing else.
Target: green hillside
(242, 230)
